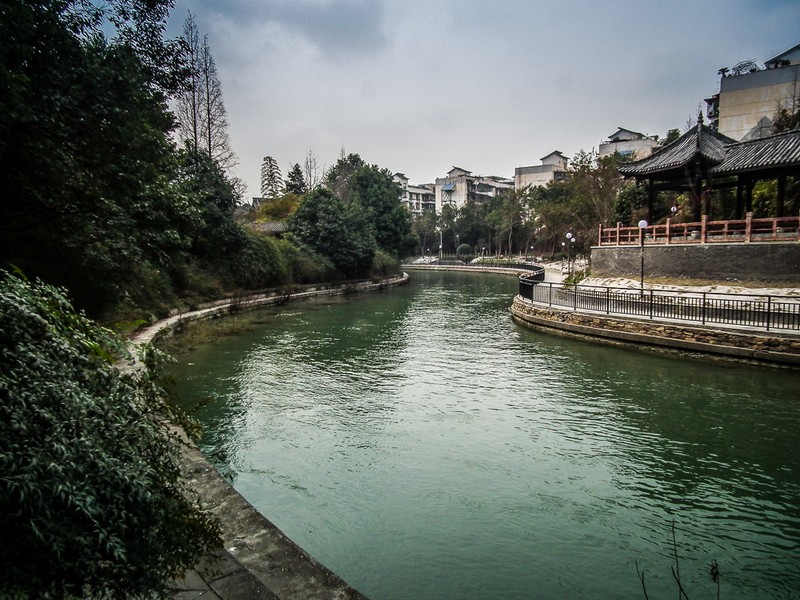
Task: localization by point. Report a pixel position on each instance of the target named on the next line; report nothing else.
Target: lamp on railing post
(642, 228)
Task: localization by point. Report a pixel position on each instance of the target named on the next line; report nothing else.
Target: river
(423, 446)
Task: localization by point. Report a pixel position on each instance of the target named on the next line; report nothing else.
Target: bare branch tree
(201, 114)
(312, 172)
(189, 100)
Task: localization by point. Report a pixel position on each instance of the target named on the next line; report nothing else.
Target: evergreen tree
(271, 179)
(296, 183)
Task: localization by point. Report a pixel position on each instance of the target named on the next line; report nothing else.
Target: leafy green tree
(92, 502)
(296, 182)
(424, 228)
(340, 176)
(376, 193)
(473, 225)
(507, 214)
(84, 146)
(340, 233)
(214, 234)
(447, 227)
(631, 204)
(672, 135)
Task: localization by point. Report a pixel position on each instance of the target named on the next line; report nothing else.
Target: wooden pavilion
(702, 160)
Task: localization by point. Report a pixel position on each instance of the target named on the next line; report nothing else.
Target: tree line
(123, 202)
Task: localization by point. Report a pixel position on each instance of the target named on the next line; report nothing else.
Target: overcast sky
(418, 86)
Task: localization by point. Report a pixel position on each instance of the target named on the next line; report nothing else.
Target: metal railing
(779, 229)
(537, 271)
(706, 308)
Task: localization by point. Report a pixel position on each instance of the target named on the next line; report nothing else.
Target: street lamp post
(563, 251)
(642, 227)
(570, 241)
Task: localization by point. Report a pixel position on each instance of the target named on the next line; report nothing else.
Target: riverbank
(750, 344)
(257, 560)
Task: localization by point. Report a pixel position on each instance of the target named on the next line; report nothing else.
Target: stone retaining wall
(764, 348)
(770, 262)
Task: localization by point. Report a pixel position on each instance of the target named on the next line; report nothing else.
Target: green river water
(422, 445)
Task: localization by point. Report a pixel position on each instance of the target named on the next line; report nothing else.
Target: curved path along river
(421, 445)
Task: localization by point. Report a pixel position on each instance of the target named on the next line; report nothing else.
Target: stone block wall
(774, 262)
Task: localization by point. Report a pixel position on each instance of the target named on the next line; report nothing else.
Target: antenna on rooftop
(746, 66)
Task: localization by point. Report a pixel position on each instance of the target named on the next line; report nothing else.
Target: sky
(420, 86)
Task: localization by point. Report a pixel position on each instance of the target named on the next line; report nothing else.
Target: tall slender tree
(271, 179)
(201, 114)
(189, 99)
(214, 115)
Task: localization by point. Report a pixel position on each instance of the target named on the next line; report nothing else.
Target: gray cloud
(419, 85)
(337, 27)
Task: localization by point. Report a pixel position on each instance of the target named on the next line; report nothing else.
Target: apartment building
(461, 186)
(416, 198)
(553, 168)
(750, 96)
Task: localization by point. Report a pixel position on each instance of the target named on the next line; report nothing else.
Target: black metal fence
(744, 310)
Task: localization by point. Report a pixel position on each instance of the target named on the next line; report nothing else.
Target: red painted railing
(778, 229)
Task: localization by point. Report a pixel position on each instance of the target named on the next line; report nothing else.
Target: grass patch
(193, 334)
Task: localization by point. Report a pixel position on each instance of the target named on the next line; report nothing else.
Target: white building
(628, 144)
(461, 186)
(417, 199)
(553, 168)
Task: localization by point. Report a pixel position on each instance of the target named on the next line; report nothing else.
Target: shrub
(91, 498)
(464, 250)
(384, 264)
(259, 263)
(305, 265)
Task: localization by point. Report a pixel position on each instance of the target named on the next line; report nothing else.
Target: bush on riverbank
(91, 498)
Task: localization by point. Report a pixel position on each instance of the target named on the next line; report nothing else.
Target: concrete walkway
(220, 577)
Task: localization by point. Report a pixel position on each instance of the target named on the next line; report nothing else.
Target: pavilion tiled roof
(702, 140)
(776, 151)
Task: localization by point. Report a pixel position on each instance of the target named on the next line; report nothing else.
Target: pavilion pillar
(748, 206)
(651, 196)
(781, 195)
(739, 197)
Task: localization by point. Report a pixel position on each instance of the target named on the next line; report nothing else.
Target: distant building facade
(461, 186)
(553, 168)
(417, 199)
(628, 144)
(749, 97)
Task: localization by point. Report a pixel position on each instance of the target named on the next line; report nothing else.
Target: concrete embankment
(258, 560)
(751, 346)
